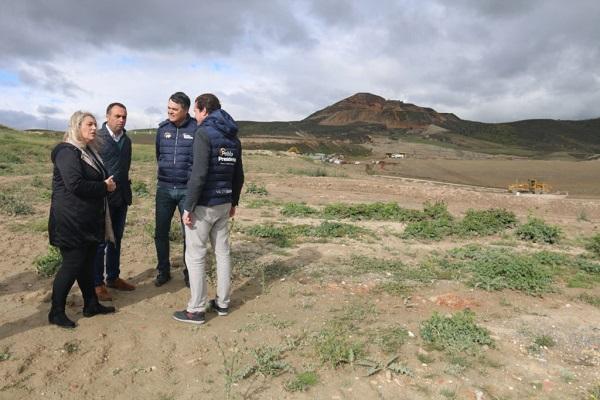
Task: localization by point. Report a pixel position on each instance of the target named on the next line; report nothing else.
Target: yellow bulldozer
(531, 186)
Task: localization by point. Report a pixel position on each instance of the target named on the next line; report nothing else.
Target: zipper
(176, 137)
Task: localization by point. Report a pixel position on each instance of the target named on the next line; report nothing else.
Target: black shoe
(60, 319)
(96, 309)
(161, 279)
(220, 310)
(197, 318)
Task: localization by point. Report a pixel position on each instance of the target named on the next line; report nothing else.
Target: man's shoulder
(163, 123)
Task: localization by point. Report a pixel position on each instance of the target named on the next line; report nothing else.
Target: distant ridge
(372, 109)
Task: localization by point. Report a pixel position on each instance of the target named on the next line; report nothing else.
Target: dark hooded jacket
(77, 208)
(217, 172)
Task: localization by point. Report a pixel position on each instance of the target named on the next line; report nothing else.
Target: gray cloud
(48, 110)
(23, 120)
(49, 78)
(486, 59)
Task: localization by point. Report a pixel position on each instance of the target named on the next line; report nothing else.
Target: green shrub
(436, 210)
(593, 245)
(457, 333)
(537, 231)
(297, 210)
(276, 234)
(497, 269)
(373, 211)
(302, 381)
(139, 188)
(485, 222)
(329, 229)
(435, 229)
(254, 188)
(11, 205)
(334, 346)
(48, 264)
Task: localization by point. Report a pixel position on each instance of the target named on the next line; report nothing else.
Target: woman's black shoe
(96, 309)
(60, 319)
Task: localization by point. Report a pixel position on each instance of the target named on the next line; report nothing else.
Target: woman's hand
(110, 184)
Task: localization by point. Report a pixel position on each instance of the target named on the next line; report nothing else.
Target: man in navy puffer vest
(213, 192)
(174, 141)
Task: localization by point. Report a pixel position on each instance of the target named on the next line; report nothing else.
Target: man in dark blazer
(115, 151)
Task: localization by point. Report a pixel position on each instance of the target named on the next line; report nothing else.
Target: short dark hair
(181, 98)
(208, 101)
(111, 105)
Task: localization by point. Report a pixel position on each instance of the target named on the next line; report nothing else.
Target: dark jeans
(77, 265)
(166, 201)
(118, 216)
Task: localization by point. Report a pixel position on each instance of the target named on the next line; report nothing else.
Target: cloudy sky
(485, 60)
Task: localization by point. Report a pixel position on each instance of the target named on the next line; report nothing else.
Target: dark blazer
(117, 160)
(77, 208)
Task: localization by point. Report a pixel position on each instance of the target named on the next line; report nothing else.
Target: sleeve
(197, 179)
(238, 180)
(69, 167)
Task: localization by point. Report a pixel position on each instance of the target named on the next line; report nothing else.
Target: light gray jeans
(210, 223)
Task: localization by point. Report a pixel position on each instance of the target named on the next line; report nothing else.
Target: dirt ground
(141, 352)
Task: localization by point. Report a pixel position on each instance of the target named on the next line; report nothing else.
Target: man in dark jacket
(115, 150)
(213, 193)
(174, 140)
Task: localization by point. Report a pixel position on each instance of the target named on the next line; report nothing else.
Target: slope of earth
(308, 313)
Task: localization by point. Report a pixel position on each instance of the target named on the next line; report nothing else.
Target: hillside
(359, 117)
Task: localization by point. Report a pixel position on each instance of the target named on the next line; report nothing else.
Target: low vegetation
(283, 235)
(13, 205)
(48, 264)
(537, 231)
(455, 334)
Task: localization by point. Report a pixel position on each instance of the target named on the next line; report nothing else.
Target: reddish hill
(372, 109)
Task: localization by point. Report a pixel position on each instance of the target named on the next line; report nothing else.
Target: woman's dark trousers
(77, 265)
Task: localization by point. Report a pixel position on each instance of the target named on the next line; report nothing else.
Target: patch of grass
(373, 211)
(544, 341)
(389, 339)
(256, 189)
(497, 269)
(13, 206)
(425, 358)
(593, 245)
(268, 361)
(485, 222)
(72, 346)
(5, 354)
(335, 346)
(435, 229)
(283, 235)
(297, 210)
(140, 189)
(587, 265)
(48, 264)
(448, 393)
(275, 234)
(581, 280)
(458, 333)
(591, 299)
(261, 202)
(302, 381)
(593, 393)
(537, 231)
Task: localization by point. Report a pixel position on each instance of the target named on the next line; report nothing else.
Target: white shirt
(116, 138)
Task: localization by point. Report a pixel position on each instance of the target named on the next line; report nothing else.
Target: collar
(115, 137)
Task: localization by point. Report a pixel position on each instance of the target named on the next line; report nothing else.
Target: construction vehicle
(531, 186)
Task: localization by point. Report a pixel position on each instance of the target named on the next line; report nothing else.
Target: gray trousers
(210, 223)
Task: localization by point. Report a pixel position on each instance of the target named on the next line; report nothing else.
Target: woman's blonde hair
(73, 133)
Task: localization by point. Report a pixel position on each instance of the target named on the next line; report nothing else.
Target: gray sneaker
(220, 310)
(191, 318)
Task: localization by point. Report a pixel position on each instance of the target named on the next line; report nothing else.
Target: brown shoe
(120, 284)
(103, 294)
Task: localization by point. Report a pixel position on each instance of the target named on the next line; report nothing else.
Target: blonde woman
(78, 216)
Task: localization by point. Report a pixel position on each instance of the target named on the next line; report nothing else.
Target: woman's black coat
(77, 210)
